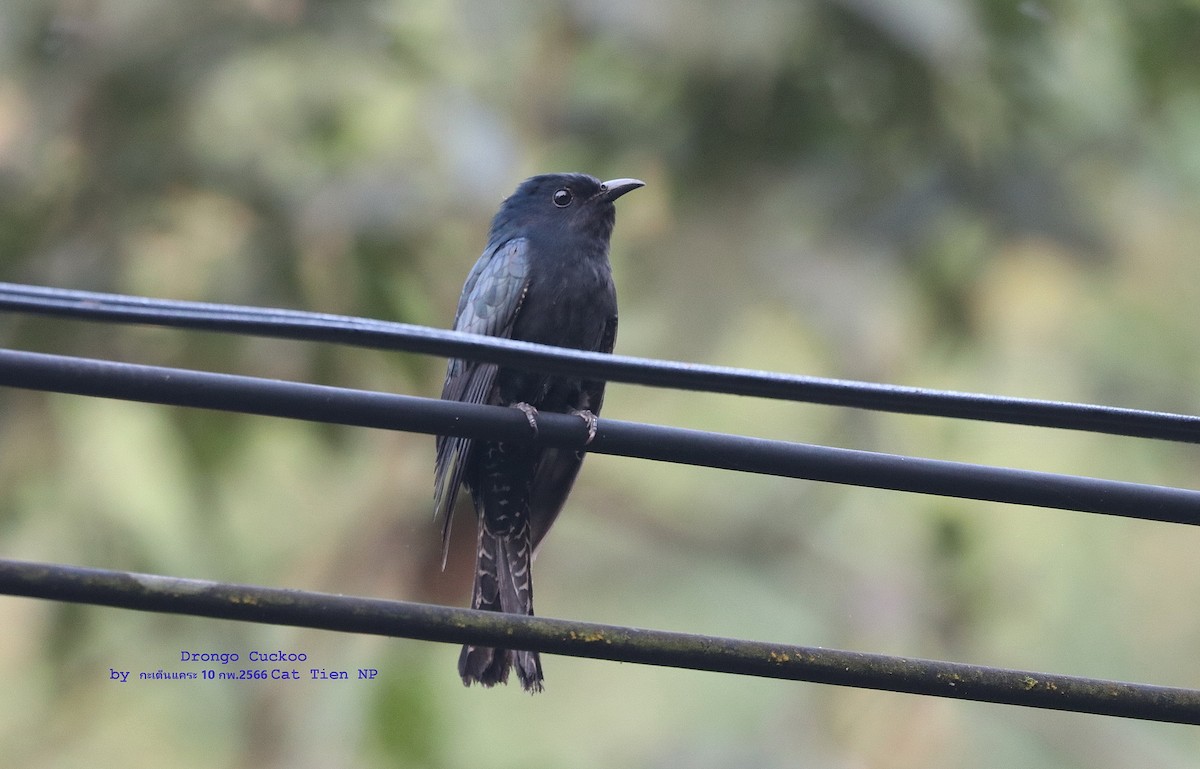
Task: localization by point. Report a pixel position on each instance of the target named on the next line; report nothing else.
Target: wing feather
(490, 302)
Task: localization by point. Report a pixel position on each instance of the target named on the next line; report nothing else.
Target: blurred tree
(977, 194)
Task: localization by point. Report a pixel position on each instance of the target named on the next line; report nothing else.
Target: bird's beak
(611, 190)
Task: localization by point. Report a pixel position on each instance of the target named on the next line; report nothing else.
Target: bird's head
(570, 204)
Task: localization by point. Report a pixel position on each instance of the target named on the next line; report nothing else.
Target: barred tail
(503, 583)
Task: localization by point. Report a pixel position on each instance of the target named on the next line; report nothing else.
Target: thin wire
(296, 608)
(251, 395)
(363, 332)
(336, 405)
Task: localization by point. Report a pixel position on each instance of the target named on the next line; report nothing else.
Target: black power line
(269, 397)
(388, 411)
(363, 332)
(247, 603)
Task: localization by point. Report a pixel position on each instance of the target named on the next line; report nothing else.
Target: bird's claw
(530, 415)
(589, 419)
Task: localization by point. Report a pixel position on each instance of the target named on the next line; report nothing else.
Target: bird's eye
(563, 198)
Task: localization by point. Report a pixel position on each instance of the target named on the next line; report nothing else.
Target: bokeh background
(985, 195)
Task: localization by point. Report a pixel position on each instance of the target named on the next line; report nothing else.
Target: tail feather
(502, 583)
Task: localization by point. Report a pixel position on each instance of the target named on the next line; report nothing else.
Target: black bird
(543, 277)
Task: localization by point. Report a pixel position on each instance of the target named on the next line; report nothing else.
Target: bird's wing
(490, 301)
(557, 467)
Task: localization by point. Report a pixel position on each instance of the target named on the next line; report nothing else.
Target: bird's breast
(568, 306)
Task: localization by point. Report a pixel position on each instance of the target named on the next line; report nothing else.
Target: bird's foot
(589, 419)
(530, 414)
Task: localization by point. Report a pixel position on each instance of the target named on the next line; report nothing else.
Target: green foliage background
(982, 195)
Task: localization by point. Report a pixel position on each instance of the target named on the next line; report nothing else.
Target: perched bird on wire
(543, 277)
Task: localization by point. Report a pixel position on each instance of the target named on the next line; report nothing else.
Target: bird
(544, 276)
